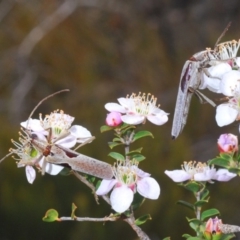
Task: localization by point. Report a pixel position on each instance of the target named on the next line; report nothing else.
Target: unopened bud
(113, 119)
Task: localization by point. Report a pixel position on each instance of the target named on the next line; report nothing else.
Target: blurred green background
(103, 50)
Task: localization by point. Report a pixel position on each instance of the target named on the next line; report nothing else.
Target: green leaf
(116, 156)
(194, 238)
(234, 170)
(186, 204)
(189, 237)
(74, 207)
(204, 194)
(209, 213)
(117, 140)
(186, 235)
(105, 128)
(142, 134)
(227, 156)
(200, 203)
(194, 220)
(139, 150)
(127, 128)
(222, 162)
(167, 238)
(193, 186)
(114, 144)
(142, 219)
(51, 216)
(138, 157)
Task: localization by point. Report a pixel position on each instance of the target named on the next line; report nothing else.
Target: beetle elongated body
(59, 155)
(191, 77)
(80, 162)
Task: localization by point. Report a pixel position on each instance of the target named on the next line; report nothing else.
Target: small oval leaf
(51, 216)
(186, 204)
(142, 219)
(209, 213)
(116, 156)
(219, 162)
(114, 144)
(105, 128)
(142, 134)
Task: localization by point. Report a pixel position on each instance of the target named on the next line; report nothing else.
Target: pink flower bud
(228, 143)
(113, 119)
(213, 225)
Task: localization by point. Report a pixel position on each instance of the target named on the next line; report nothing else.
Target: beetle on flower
(42, 134)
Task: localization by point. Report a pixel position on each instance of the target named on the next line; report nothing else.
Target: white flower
(199, 172)
(215, 74)
(192, 171)
(128, 179)
(58, 127)
(227, 113)
(137, 108)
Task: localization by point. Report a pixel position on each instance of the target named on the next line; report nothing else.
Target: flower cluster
(39, 137)
(223, 77)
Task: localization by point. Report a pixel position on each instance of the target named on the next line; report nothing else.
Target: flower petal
(127, 103)
(148, 187)
(223, 175)
(30, 173)
(158, 119)
(230, 83)
(121, 198)
(80, 133)
(207, 175)
(140, 172)
(67, 142)
(178, 175)
(212, 83)
(115, 107)
(105, 186)
(51, 169)
(33, 124)
(225, 114)
(133, 119)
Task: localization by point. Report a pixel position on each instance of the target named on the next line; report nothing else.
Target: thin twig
(141, 234)
(88, 219)
(44, 99)
(86, 182)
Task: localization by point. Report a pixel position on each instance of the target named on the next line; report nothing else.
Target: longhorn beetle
(55, 154)
(191, 76)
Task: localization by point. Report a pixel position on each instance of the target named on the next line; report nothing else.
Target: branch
(141, 234)
(88, 219)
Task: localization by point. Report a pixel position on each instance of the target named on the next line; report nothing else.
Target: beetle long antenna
(223, 33)
(9, 154)
(49, 96)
